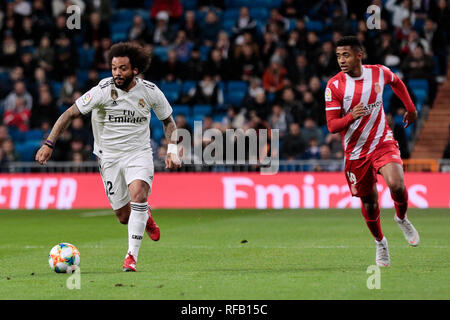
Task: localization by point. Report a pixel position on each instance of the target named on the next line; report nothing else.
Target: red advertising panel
(217, 190)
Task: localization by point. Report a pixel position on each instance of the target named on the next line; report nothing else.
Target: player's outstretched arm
(63, 122)
(170, 132)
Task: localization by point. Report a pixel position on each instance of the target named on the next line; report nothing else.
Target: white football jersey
(120, 119)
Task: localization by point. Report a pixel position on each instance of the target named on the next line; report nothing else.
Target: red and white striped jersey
(343, 92)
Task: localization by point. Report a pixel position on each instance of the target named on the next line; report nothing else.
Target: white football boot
(382, 258)
(410, 233)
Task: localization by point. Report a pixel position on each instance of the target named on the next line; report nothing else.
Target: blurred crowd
(284, 53)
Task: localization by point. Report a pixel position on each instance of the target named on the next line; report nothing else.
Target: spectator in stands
(181, 122)
(27, 63)
(292, 105)
(173, 8)
(268, 47)
(28, 36)
(173, 69)
(253, 89)
(70, 85)
(386, 50)
(92, 80)
(77, 146)
(3, 162)
(183, 46)
(96, 30)
(418, 65)
(234, 119)
(191, 27)
(413, 41)
(438, 41)
(223, 44)
(9, 151)
(78, 129)
(334, 142)
(259, 105)
(207, 91)
(313, 47)
(310, 131)
(4, 133)
(399, 133)
(313, 150)
(244, 23)
(41, 16)
(20, 91)
(211, 29)
(139, 30)
(18, 116)
(155, 71)
(400, 12)
(45, 54)
(278, 23)
(293, 9)
(217, 65)
(8, 54)
(195, 66)
(101, 61)
(44, 111)
(316, 89)
(312, 108)
(327, 63)
(274, 75)
(293, 145)
(163, 33)
(247, 64)
(279, 119)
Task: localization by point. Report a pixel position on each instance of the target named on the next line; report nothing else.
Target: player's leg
(137, 221)
(371, 213)
(392, 173)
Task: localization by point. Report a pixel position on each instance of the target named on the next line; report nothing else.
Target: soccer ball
(64, 258)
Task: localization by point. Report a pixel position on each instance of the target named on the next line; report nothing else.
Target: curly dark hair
(351, 41)
(139, 56)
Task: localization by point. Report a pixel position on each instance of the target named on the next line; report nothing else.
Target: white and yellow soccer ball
(64, 258)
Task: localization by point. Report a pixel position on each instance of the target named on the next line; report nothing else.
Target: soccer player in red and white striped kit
(354, 107)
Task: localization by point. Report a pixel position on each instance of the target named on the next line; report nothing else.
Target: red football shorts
(361, 174)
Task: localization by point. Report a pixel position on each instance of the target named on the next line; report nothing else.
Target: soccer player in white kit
(120, 111)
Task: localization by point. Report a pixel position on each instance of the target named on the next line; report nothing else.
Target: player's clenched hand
(358, 111)
(173, 161)
(409, 118)
(43, 154)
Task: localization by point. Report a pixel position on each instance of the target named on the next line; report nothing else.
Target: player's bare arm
(172, 159)
(63, 122)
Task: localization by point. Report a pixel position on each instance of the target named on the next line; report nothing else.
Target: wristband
(172, 148)
(49, 144)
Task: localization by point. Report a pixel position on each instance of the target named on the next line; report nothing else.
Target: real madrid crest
(114, 94)
(141, 103)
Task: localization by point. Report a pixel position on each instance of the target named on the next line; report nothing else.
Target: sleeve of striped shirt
(333, 108)
(399, 88)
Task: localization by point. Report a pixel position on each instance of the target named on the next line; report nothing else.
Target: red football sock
(401, 204)
(373, 222)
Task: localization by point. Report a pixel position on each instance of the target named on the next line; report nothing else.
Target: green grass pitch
(225, 254)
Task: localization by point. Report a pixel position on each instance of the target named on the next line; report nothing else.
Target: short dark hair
(351, 41)
(139, 56)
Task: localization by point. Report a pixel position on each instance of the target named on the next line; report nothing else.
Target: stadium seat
(387, 94)
(28, 150)
(418, 84)
(161, 52)
(119, 37)
(82, 76)
(171, 90)
(227, 26)
(187, 85)
(189, 4)
(235, 92)
(314, 25)
(35, 134)
(231, 14)
(201, 110)
(85, 58)
(421, 96)
(204, 52)
(56, 87)
(261, 14)
(104, 74)
(157, 132)
(181, 109)
(238, 3)
(16, 135)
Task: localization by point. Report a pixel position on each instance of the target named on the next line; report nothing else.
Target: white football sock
(136, 227)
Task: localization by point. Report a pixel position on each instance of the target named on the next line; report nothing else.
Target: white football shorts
(118, 173)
